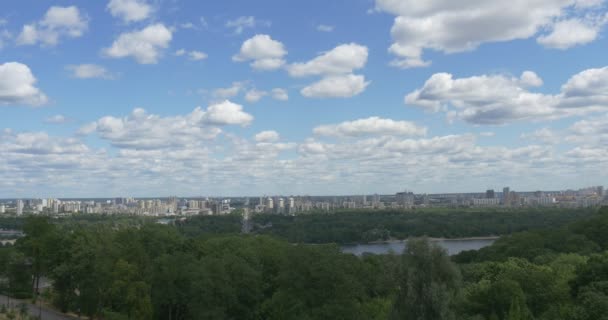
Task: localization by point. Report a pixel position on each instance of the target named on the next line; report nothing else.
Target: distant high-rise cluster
(292, 205)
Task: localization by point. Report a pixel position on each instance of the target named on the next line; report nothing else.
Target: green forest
(359, 226)
(149, 271)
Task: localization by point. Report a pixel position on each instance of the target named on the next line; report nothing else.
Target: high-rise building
(269, 203)
(281, 206)
(405, 199)
(291, 206)
(506, 196)
(2, 209)
(490, 194)
(19, 207)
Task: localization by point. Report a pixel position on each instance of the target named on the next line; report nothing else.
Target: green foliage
(210, 225)
(427, 283)
(356, 226)
(136, 269)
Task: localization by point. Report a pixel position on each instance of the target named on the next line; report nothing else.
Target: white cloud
(340, 86)
(280, 94)
(197, 55)
(193, 55)
(150, 154)
(499, 99)
(590, 132)
(141, 130)
(56, 119)
(89, 71)
(325, 28)
(267, 136)
(18, 86)
(264, 52)
(569, 33)
(40, 143)
(130, 10)
(226, 113)
(58, 22)
(241, 23)
(255, 95)
(336, 68)
(544, 135)
(371, 126)
(342, 59)
(229, 92)
(445, 26)
(145, 45)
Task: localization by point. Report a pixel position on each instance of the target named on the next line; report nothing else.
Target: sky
(313, 97)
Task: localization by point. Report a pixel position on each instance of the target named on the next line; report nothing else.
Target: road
(47, 314)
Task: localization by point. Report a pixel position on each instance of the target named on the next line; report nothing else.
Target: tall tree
(428, 282)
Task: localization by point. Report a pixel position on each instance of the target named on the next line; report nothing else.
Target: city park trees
(150, 271)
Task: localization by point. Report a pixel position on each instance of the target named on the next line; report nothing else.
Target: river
(453, 246)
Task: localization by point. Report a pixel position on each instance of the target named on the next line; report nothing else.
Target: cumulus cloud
(336, 68)
(446, 27)
(279, 94)
(141, 130)
(144, 131)
(589, 132)
(544, 135)
(145, 45)
(89, 71)
(342, 59)
(193, 55)
(569, 33)
(371, 126)
(150, 153)
(267, 136)
(130, 10)
(500, 99)
(58, 22)
(339, 86)
(40, 143)
(255, 95)
(18, 86)
(241, 23)
(226, 113)
(56, 119)
(263, 52)
(229, 92)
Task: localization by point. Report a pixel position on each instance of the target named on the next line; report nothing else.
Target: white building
(19, 207)
(487, 202)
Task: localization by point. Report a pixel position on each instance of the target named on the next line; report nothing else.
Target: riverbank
(494, 238)
(452, 246)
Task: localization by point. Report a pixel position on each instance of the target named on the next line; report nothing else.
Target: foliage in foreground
(155, 272)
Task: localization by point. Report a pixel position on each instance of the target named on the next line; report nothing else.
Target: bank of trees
(350, 226)
(156, 272)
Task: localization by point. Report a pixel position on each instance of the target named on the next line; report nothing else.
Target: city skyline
(141, 97)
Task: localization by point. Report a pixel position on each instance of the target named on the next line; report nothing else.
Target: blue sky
(152, 98)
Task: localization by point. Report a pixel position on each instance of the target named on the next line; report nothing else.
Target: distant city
(292, 205)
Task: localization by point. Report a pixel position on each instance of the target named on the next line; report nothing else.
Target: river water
(453, 246)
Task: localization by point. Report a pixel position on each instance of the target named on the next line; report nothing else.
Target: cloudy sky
(184, 97)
